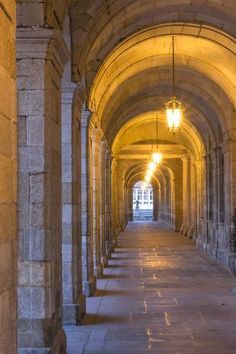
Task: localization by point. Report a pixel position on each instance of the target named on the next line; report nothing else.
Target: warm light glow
(157, 157)
(151, 166)
(149, 173)
(144, 185)
(174, 114)
(147, 179)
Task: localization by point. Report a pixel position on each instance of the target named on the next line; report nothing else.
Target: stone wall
(7, 178)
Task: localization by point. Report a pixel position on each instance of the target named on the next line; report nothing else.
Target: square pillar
(73, 299)
(41, 55)
(88, 278)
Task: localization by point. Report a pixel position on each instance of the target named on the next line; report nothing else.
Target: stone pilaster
(89, 281)
(73, 300)
(201, 179)
(186, 195)
(95, 171)
(130, 203)
(41, 55)
(155, 203)
(108, 204)
(102, 198)
(229, 245)
(115, 217)
(193, 201)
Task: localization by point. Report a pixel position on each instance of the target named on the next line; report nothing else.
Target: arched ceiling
(99, 26)
(121, 55)
(136, 172)
(135, 80)
(142, 131)
(204, 55)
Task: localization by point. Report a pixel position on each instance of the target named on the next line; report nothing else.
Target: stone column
(178, 182)
(201, 182)
(125, 206)
(229, 241)
(163, 201)
(74, 303)
(102, 198)
(115, 206)
(95, 200)
(41, 55)
(213, 201)
(122, 201)
(158, 192)
(209, 205)
(130, 203)
(108, 205)
(89, 281)
(172, 211)
(155, 203)
(168, 200)
(186, 195)
(193, 218)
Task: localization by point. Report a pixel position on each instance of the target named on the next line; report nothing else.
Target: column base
(109, 254)
(182, 229)
(191, 233)
(40, 337)
(98, 271)
(186, 230)
(34, 351)
(114, 245)
(73, 314)
(60, 344)
(89, 287)
(104, 261)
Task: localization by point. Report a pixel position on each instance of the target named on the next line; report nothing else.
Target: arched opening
(142, 201)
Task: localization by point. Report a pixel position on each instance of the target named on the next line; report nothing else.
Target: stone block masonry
(8, 179)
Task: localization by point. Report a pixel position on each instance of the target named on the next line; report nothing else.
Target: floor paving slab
(161, 295)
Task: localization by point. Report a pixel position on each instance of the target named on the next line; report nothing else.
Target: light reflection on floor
(160, 295)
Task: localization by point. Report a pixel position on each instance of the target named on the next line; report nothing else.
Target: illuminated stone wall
(8, 161)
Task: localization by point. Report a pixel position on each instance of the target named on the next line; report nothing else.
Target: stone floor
(159, 295)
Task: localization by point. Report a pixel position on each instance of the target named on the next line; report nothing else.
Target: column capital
(229, 146)
(68, 90)
(86, 115)
(42, 43)
(185, 158)
(96, 135)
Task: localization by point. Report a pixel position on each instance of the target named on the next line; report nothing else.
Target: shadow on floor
(93, 319)
(115, 276)
(103, 292)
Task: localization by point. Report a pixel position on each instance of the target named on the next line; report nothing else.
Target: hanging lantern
(174, 108)
(157, 157)
(174, 114)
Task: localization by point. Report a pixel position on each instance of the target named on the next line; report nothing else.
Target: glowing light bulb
(151, 166)
(174, 110)
(149, 173)
(157, 157)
